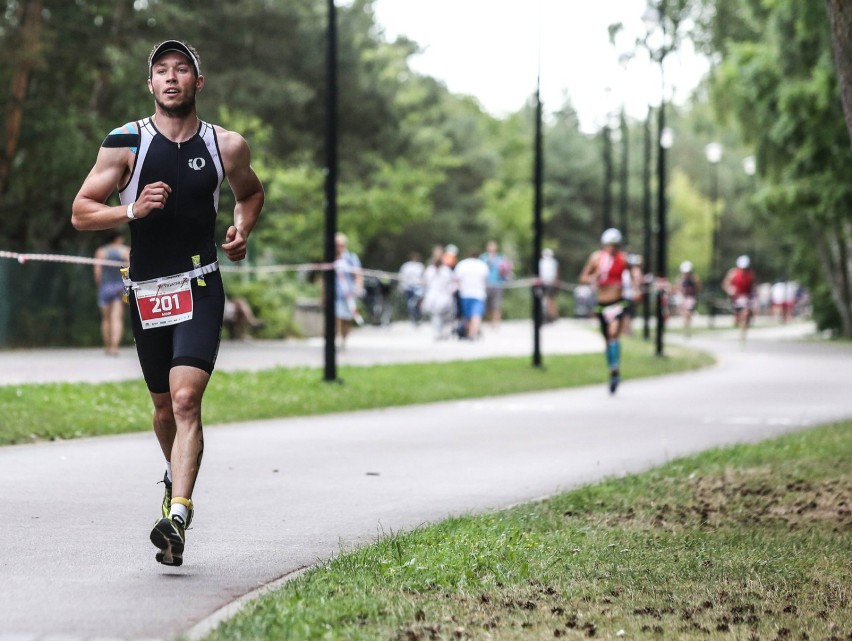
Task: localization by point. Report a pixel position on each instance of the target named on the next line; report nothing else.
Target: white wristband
(130, 213)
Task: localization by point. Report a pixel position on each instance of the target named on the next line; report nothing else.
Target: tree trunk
(833, 252)
(840, 17)
(30, 48)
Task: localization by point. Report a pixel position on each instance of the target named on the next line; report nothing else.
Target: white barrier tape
(60, 258)
(23, 258)
(273, 269)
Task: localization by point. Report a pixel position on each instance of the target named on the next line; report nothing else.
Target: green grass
(64, 410)
(750, 542)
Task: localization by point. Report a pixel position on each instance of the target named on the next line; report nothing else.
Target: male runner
(605, 270)
(167, 169)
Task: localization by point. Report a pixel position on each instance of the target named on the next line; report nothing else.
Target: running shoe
(614, 380)
(167, 497)
(166, 507)
(168, 536)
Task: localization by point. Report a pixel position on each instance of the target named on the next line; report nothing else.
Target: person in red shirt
(605, 270)
(739, 284)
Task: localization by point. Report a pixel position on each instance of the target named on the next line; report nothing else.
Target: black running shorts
(194, 342)
(615, 317)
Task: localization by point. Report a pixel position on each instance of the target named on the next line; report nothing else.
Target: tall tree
(840, 16)
(28, 49)
(781, 86)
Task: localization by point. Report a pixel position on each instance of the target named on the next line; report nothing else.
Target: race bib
(164, 301)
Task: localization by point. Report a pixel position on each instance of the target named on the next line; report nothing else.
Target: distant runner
(605, 271)
(739, 284)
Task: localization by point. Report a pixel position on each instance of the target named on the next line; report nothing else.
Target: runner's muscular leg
(187, 385)
(164, 422)
(614, 328)
(177, 424)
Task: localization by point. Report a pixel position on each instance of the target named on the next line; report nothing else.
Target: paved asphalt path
(275, 496)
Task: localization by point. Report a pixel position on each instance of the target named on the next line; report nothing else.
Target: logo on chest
(197, 163)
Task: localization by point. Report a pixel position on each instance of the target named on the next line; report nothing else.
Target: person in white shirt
(439, 300)
(411, 280)
(548, 274)
(472, 277)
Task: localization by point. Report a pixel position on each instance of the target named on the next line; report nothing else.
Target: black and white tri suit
(164, 242)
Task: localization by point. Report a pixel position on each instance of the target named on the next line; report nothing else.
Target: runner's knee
(186, 402)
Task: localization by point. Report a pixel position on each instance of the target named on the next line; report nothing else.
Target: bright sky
(490, 49)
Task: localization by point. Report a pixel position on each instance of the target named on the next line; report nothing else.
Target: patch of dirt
(535, 611)
(752, 499)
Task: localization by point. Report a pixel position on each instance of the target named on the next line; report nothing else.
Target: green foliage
(572, 194)
(418, 165)
(691, 225)
(781, 86)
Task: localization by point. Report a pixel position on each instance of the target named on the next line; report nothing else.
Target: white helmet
(743, 262)
(685, 267)
(611, 237)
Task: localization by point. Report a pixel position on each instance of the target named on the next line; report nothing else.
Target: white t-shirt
(440, 287)
(548, 269)
(411, 274)
(472, 275)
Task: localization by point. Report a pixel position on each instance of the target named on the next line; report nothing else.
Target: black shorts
(619, 312)
(194, 342)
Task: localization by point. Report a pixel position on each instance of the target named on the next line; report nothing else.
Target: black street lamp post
(750, 168)
(606, 138)
(665, 142)
(330, 369)
(623, 208)
(538, 203)
(713, 152)
(655, 24)
(646, 229)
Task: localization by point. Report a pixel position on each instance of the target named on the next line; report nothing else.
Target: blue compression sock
(613, 354)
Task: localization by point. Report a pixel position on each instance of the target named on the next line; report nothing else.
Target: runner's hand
(235, 244)
(153, 196)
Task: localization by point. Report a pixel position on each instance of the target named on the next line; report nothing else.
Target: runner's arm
(726, 283)
(89, 211)
(248, 192)
(589, 269)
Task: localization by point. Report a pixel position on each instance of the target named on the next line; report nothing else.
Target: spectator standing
(111, 291)
(411, 278)
(739, 284)
(784, 295)
(499, 272)
(688, 287)
(472, 277)
(548, 274)
(349, 287)
(439, 298)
